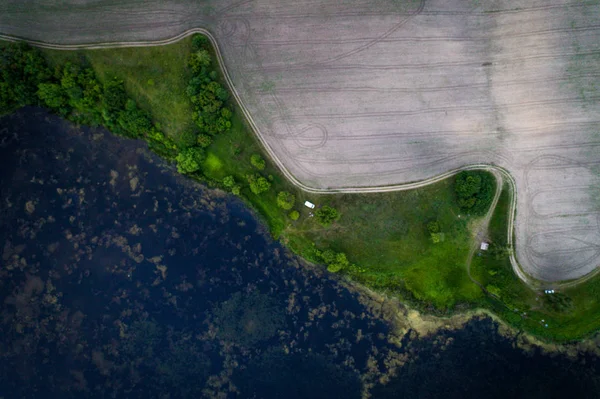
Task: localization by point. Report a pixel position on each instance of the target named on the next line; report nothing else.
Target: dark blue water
(121, 279)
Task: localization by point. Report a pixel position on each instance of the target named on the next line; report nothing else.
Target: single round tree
(257, 161)
(327, 215)
(286, 200)
(190, 160)
(258, 184)
(294, 215)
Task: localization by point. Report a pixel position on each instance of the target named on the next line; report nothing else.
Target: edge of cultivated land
(502, 175)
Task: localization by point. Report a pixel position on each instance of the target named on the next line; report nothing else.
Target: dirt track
(355, 94)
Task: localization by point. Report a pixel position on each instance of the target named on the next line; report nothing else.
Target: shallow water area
(120, 278)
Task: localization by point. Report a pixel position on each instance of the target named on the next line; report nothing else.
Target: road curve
(501, 174)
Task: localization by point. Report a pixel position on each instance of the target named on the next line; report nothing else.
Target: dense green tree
(258, 184)
(433, 227)
(186, 139)
(22, 69)
(134, 122)
(200, 60)
(257, 161)
(204, 140)
(52, 95)
(190, 160)
(327, 215)
(114, 100)
(474, 191)
(200, 42)
(286, 200)
(294, 215)
(335, 261)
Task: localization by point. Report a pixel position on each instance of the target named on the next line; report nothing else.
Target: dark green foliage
(207, 95)
(558, 302)
(474, 191)
(433, 227)
(286, 200)
(199, 61)
(133, 121)
(22, 69)
(187, 139)
(199, 42)
(327, 215)
(258, 184)
(204, 140)
(52, 95)
(113, 100)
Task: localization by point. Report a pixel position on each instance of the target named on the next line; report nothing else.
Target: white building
(484, 246)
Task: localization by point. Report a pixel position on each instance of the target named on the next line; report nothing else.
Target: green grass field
(385, 235)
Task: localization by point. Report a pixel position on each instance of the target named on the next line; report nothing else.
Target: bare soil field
(354, 94)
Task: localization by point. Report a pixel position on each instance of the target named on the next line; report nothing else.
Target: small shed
(484, 246)
(309, 204)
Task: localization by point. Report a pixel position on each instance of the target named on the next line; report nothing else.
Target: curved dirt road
(364, 96)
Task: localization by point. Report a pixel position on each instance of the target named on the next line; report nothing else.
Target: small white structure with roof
(309, 204)
(484, 246)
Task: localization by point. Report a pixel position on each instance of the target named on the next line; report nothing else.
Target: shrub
(285, 200)
(294, 215)
(229, 181)
(327, 215)
(433, 227)
(236, 190)
(199, 42)
(199, 60)
(189, 160)
(204, 140)
(335, 261)
(187, 139)
(258, 184)
(52, 95)
(492, 289)
(257, 161)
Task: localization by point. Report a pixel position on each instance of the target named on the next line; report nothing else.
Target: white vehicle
(309, 204)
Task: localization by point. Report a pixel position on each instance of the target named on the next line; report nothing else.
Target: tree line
(74, 92)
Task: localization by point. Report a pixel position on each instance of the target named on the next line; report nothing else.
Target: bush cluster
(474, 191)
(207, 95)
(326, 215)
(335, 261)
